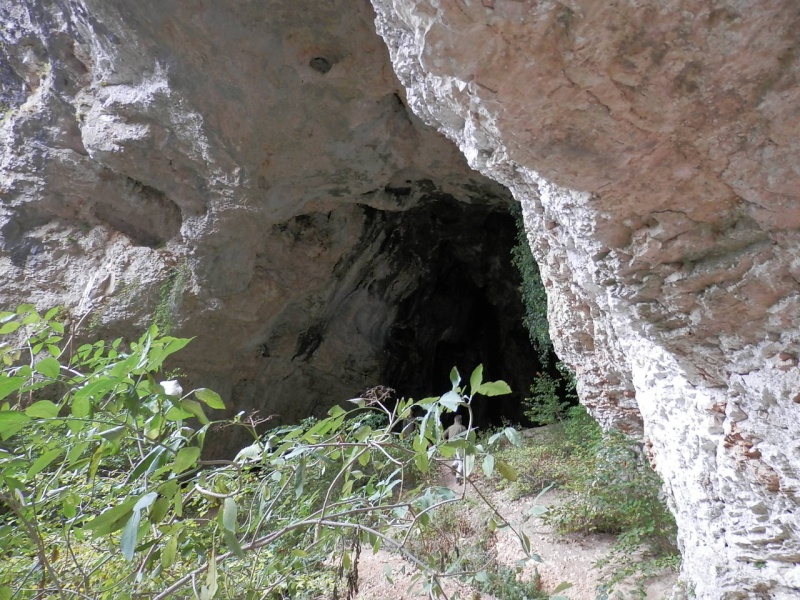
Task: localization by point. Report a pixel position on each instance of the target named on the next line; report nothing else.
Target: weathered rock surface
(251, 176)
(654, 146)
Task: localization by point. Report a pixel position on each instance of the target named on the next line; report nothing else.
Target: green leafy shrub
(104, 492)
(607, 486)
(551, 397)
(612, 488)
(442, 544)
(503, 582)
(545, 406)
(93, 453)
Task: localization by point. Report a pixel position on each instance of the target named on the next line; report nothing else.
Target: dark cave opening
(465, 308)
(420, 291)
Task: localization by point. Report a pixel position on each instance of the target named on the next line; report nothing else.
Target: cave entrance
(419, 291)
(464, 308)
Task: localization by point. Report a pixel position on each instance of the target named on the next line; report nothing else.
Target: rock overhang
(639, 140)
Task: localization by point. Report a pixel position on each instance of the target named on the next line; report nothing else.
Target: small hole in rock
(320, 64)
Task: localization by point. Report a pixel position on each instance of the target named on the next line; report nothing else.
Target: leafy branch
(106, 491)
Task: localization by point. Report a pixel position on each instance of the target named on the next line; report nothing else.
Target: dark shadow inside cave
(465, 308)
(422, 290)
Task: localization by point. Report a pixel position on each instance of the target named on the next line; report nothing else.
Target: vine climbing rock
(654, 147)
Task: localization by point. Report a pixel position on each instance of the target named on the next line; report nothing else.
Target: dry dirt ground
(564, 559)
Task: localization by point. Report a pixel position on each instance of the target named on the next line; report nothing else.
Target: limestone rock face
(654, 147)
(249, 175)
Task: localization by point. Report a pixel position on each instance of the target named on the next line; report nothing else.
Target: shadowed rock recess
(250, 174)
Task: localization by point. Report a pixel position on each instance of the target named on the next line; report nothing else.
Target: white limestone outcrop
(654, 148)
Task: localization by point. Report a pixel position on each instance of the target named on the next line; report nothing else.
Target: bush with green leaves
(607, 486)
(537, 464)
(612, 488)
(551, 397)
(104, 492)
(92, 450)
(458, 540)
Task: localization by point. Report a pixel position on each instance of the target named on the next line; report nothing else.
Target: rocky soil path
(564, 558)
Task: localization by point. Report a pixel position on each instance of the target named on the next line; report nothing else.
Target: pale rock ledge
(654, 147)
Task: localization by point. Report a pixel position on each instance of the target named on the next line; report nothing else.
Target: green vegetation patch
(533, 293)
(104, 491)
(608, 487)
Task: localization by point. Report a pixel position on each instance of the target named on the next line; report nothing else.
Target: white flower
(172, 388)
(251, 453)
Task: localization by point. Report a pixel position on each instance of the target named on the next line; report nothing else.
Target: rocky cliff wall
(654, 147)
(251, 176)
